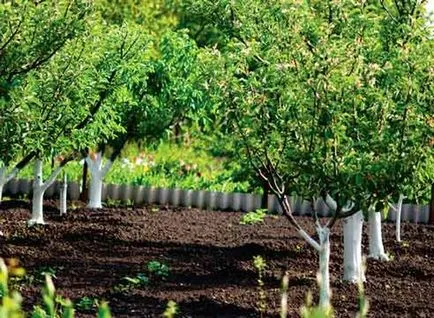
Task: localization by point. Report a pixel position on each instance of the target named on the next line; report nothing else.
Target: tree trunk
(2, 180)
(431, 206)
(376, 248)
(323, 274)
(84, 190)
(97, 173)
(264, 198)
(95, 190)
(353, 226)
(38, 195)
(39, 188)
(398, 218)
(63, 196)
(5, 178)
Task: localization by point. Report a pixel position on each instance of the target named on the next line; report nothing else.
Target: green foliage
(158, 270)
(44, 271)
(171, 310)
(86, 303)
(151, 14)
(260, 265)
(254, 217)
(164, 165)
(31, 33)
(104, 310)
(53, 305)
(322, 98)
(130, 283)
(155, 271)
(310, 311)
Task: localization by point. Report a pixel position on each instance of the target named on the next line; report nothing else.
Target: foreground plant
(260, 265)
(171, 310)
(53, 305)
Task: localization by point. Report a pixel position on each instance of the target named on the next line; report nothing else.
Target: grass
(167, 165)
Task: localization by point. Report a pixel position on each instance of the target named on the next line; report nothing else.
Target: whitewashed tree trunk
(97, 173)
(353, 226)
(38, 195)
(376, 248)
(398, 218)
(95, 190)
(323, 273)
(5, 178)
(63, 196)
(39, 188)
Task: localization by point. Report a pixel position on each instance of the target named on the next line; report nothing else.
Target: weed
(157, 269)
(44, 271)
(310, 311)
(130, 283)
(86, 303)
(260, 265)
(104, 310)
(172, 310)
(254, 217)
(110, 203)
(154, 210)
(405, 244)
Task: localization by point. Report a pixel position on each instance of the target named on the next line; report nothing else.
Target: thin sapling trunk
(63, 195)
(324, 264)
(398, 211)
(323, 248)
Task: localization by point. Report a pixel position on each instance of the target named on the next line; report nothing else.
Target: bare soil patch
(210, 259)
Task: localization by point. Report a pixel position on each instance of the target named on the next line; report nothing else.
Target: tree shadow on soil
(201, 307)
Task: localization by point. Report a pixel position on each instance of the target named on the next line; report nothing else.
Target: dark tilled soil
(210, 258)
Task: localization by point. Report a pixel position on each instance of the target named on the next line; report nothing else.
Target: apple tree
(316, 98)
(31, 34)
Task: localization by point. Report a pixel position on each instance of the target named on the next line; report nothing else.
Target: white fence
(202, 199)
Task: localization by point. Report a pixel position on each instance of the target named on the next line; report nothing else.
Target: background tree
(67, 99)
(30, 35)
(299, 86)
(162, 91)
(400, 84)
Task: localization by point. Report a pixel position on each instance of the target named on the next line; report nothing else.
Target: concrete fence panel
(210, 200)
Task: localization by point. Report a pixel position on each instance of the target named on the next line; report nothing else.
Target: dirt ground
(210, 259)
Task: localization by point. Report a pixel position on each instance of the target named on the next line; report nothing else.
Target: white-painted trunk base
(353, 267)
(97, 172)
(63, 197)
(95, 191)
(323, 273)
(39, 188)
(376, 248)
(398, 218)
(5, 178)
(37, 207)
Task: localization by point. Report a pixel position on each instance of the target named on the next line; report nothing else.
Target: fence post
(431, 207)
